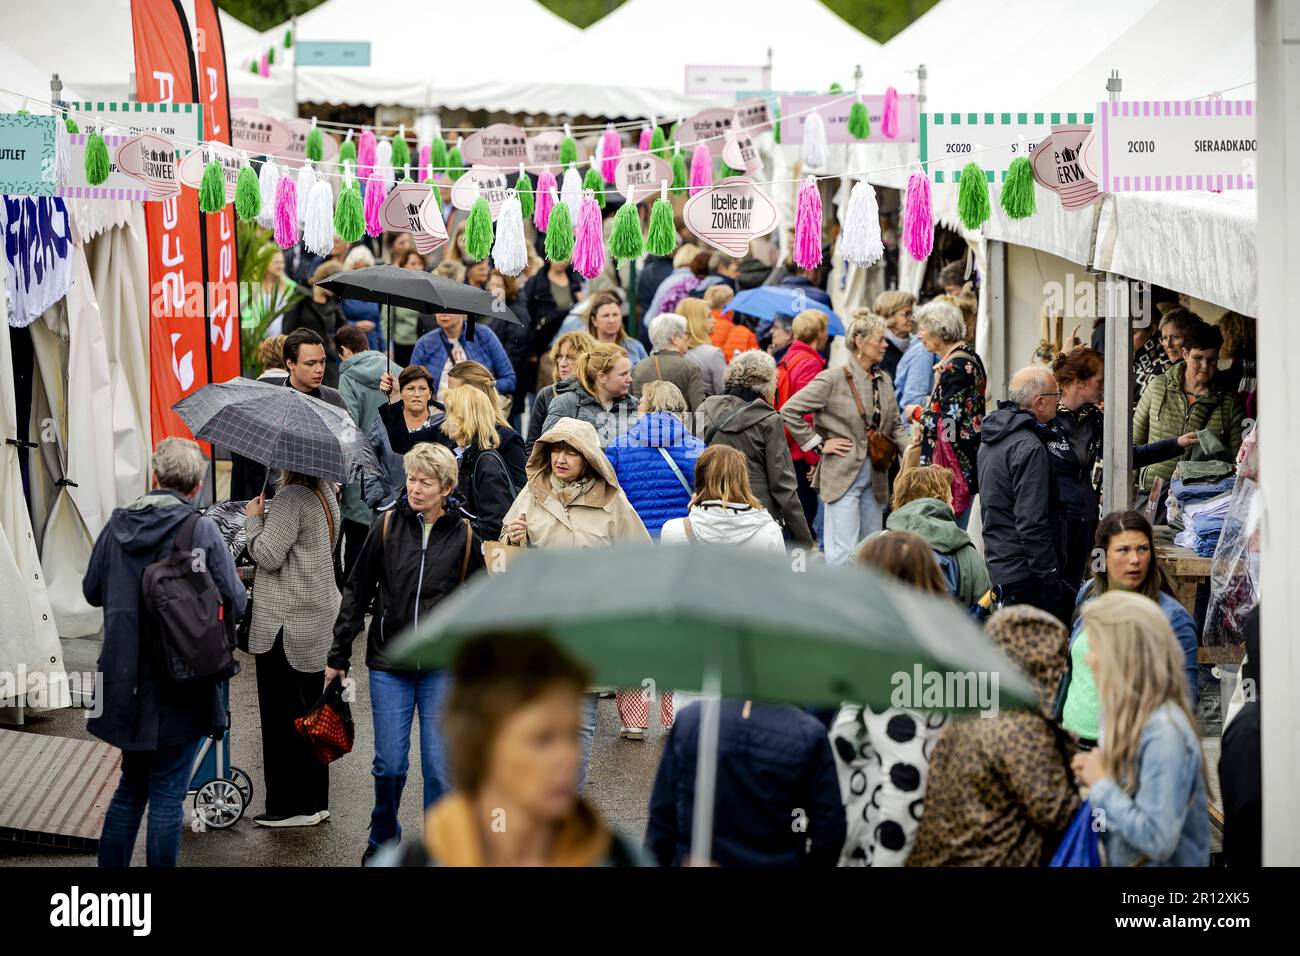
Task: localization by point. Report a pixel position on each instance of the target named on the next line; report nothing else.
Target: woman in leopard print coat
(1000, 791)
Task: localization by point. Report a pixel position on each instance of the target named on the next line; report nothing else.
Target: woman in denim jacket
(1148, 776)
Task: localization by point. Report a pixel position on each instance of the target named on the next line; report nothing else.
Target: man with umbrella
(304, 357)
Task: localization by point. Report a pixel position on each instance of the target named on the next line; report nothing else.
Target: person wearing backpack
(417, 553)
(923, 505)
(156, 722)
(487, 483)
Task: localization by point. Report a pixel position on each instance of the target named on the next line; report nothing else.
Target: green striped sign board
(951, 140)
(180, 122)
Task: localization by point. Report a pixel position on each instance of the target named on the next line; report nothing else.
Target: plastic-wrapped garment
(1234, 573)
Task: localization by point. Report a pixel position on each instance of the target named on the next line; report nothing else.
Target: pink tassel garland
(701, 169)
(918, 218)
(611, 147)
(374, 201)
(286, 212)
(426, 154)
(889, 122)
(366, 147)
(588, 245)
(643, 144)
(808, 226)
(544, 199)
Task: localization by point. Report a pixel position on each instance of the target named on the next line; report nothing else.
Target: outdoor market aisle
(622, 773)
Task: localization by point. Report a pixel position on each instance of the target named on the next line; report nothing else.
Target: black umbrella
(279, 427)
(415, 289)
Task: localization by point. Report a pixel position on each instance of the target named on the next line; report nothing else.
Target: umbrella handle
(390, 331)
(706, 767)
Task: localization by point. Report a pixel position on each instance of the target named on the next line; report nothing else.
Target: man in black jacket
(304, 358)
(1015, 481)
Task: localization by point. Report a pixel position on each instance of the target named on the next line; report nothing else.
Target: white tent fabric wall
(20, 74)
(119, 271)
(29, 639)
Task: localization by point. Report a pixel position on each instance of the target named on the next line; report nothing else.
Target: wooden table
(1186, 570)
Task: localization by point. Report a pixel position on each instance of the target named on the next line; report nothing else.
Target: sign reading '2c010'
(1171, 145)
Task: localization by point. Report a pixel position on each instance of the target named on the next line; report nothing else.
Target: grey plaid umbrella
(279, 427)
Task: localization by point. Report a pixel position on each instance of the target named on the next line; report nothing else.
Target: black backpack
(184, 615)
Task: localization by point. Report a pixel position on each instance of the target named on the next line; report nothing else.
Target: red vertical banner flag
(178, 343)
(222, 274)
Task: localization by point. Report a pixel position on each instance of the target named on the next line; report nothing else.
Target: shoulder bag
(881, 449)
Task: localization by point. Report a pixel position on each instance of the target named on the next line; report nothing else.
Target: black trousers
(354, 536)
(1075, 554)
(296, 782)
(807, 494)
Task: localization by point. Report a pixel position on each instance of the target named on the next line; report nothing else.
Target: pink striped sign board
(1176, 145)
(119, 185)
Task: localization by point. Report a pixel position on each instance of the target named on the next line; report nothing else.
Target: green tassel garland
(71, 125)
(348, 153)
(776, 125)
(97, 164)
(859, 121)
(658, 144)
(835, 88)
(212, 188)
(973, 197)
(626, 241)
(559, 234)
(679, 171)
(596, 183)
(248, 195)
(288, 39)
(727, 172)
(349, 218)
(524, 190)
(438, 155)
(661, 237)
(401, 153)
(1018, 199)
(456, 168)
(270, 56)
(315, 145)
(568, 151)
(252, 68)
(478, 230)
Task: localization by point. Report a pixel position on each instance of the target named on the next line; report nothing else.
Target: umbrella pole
(706, 767)
(390, 331)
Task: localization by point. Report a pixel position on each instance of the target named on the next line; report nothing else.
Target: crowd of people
(666, 415)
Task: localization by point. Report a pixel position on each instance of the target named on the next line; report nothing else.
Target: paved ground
(621, 776)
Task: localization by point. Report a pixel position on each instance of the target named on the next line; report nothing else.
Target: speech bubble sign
(642, 171)
(709, 126)
(492, 185)
(258, 133)
(497, 145)
(544, 150)
(410, 207)
(729, 214)
(191, 167)
(753, 115)
(739, 152)
(296, 153)
(151, 159)
(1057, 165)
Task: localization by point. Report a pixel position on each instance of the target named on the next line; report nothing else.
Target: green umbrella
(732, 623)
(769, 628)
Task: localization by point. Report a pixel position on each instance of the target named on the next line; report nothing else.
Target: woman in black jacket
(513, 338)
(488, 484)
(416, 553)
(321, 314)
(549, 296)
(1074, 440)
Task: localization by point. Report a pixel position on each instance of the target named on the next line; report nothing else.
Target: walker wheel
(219, 804)
(240, 778)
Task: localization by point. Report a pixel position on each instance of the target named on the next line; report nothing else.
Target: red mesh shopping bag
(328, 727)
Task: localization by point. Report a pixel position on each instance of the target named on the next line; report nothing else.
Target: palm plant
(256, 247)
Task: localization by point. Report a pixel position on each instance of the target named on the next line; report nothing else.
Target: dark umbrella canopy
(768, 629)
(280, 428)
(411, 289)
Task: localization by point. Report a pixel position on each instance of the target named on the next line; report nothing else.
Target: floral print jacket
(957, 396)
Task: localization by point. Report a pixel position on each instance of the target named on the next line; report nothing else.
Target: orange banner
(178, 345)
(222, 271)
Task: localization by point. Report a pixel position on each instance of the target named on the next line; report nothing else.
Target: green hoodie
(359, 377)
(932, 520)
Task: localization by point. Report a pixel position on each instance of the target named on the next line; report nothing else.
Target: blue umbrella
(768, 301)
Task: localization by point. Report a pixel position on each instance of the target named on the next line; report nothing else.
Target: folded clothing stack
(1195, 481)
(1203, 521)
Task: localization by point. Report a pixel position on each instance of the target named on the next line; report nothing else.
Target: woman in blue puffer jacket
(655, 459)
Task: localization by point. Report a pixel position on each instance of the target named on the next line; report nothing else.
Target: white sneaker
(633, 733)
(301, 820)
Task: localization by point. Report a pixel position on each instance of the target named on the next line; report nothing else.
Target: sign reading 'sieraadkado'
(1172, 145)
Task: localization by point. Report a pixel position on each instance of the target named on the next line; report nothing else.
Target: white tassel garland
(267, 179)
(861, 242)
(510, 251)
(318, 222)
(814, 141)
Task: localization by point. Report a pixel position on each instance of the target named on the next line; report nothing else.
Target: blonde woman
(597, 394)
(417, 553)
(487, 483)
(845, 403)
(1148, 776)
(895, 307)
(700, 347)
(723, 508)
(564, 357)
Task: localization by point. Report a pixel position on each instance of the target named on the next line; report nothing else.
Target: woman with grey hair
(743, 418)
(847, 404)
(668, 361)
(955, 408)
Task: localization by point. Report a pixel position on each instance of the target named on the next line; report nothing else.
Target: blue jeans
(394, 697)
(159, 779)
(587, 734)
(851, 517)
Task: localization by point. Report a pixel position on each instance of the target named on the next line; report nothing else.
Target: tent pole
(706, 767)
